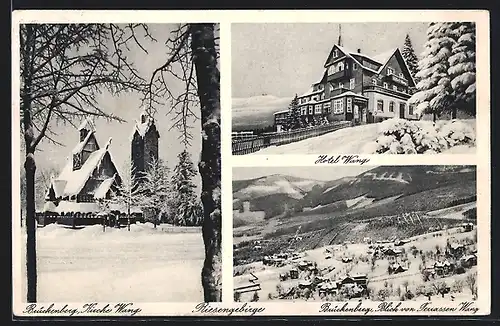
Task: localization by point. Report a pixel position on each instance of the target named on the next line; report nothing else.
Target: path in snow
(140, 266)
(346, 140)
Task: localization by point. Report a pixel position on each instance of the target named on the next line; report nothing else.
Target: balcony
(339, 75)
(396, 79)
(370, 87)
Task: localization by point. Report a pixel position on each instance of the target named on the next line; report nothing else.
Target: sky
(322, 173)
(127, 107)
(280, 60)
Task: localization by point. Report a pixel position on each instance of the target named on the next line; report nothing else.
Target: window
(386, 85)
(320, 86)
(341, 66)
(341, 85)
(351, 83)
(402, 107)
(317, 109)
(355, 66)
(390, 71)
(331, 70)
(394, 88)
(323, 96)
(326, 106)
(338, 106)
(401, 75)
(303, 110)
(310, 109)
(410, 110)
(331, 87)
(336, 53)
(380, 105)
(349, 105)
(374, 81)
(391, 106)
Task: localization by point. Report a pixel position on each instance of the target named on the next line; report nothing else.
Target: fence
(247, 146)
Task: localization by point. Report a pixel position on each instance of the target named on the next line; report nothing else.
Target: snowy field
(143, 265)
(347, 140)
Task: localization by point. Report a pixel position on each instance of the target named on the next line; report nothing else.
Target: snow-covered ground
(347, 140)
(143, 265)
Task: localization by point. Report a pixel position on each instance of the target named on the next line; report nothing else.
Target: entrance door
(402, 110)
(356, 113)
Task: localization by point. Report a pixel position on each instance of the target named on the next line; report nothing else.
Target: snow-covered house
(359, 88)
(88, 175)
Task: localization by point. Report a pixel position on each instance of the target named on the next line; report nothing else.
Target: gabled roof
(70, 182)
(382, 59)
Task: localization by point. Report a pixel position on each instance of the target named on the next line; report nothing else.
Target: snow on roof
(310, 91)
(87, 124)
(49, 207)
(282, 111)
(67, 207)
(71, 182)
(349, 93)
(104, 187)
(78, 148)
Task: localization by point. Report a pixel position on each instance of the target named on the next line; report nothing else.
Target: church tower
(144, 145)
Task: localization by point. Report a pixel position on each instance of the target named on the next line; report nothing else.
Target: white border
(225, 18)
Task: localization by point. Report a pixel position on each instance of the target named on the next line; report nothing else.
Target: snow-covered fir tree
(155, 190)
(462, 68)
(434, 92)
(184, 207)
(410, 57)
(293, 117)
(129, 193)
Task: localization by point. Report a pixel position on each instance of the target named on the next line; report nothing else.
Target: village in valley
(404, 100)
(353, 248)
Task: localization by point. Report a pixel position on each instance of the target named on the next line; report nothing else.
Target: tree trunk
(30, 168)
(29, 165)
(208, 81)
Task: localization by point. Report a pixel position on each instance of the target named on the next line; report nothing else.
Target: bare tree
(129, 192)
(63, 67)
(471, 281)
(192, 60)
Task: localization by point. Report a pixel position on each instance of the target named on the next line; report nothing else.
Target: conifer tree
(410, 57)
(293, 117)
(128, 192)
(434, 92)
(184, 202)
(462, 67)
(154, 189)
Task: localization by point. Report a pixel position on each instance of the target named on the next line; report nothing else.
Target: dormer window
(386, 85)
(341, 85)
(336, 54)
(374, 81)
(390, 71)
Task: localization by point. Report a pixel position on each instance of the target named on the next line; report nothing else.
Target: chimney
(359, 50)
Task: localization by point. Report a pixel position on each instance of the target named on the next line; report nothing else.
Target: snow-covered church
(90, 174)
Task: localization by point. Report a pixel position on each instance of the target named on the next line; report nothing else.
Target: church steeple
(339, 42)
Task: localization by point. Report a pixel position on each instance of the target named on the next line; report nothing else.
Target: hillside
(256, 112)
(333, 210)
(386, 189)
(274, 194)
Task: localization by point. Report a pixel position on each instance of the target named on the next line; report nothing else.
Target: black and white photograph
(351, 233)
(364, 88)
(119, 162)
